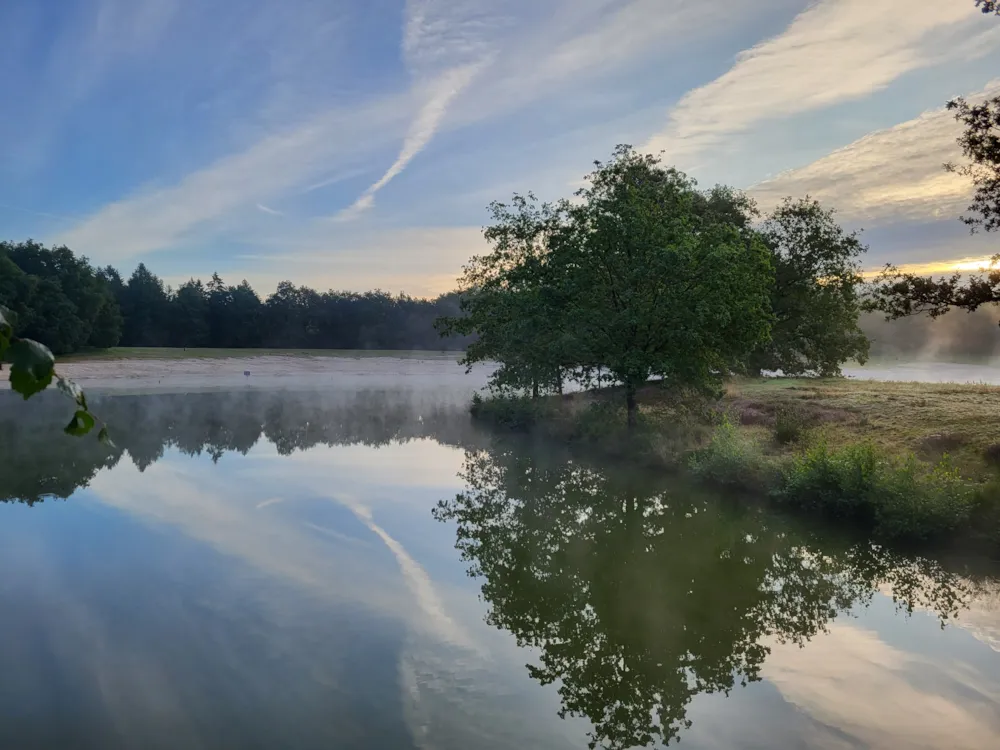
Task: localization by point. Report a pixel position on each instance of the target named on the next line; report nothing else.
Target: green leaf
(105, 438)
(31, 367)
(81, 423)
(71, 390)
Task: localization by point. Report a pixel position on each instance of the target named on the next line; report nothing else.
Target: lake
(360, 566)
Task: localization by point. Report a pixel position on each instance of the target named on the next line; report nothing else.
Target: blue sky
(351, 145)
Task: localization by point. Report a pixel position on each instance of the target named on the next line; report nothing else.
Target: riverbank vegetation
(905, 461)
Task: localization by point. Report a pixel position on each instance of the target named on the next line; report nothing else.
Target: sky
(355, 144)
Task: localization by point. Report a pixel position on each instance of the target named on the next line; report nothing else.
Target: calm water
(365, 569)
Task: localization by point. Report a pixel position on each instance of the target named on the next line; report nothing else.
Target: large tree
(145, 306)
(816, 297)
(660, 287)
(515, 303)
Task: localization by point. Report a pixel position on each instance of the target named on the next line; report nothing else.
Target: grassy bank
(914, 461)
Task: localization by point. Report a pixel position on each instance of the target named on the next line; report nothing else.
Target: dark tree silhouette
(980, 143)
(898, 294)
(60, 300)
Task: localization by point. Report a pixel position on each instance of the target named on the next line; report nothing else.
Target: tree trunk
(633, 407)
(559, 383)
(534, 388)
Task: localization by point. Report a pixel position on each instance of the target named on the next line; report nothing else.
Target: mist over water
(258, 567)
(957, 336)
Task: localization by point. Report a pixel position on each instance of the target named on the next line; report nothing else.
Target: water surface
(363, 568)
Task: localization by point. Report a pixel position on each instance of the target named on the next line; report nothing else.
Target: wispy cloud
(446, 46)
(835, 51)
(269, 210)
(893, 174)
(445, 43)
(421, 131)
(162, 217)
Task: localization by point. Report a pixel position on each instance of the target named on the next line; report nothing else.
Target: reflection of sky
(312, 601)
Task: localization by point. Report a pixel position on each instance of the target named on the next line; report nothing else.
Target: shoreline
(904, 461)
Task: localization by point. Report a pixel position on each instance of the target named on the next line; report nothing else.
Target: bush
(730, 458)
(789, 425)
(897, 498)
(599, 421)
(518, 413)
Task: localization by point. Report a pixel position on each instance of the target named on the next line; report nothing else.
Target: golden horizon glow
(959, 265)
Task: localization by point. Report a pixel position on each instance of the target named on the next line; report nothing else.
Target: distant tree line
(62, 301)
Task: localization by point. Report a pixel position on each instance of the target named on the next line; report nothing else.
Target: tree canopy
(57, 298)
(643, 276)
(658, 287)
(816, 298)
(980, 144)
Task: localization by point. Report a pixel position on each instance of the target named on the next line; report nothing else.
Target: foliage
(729, 458)
(980, 143)
(815, 299)
(789, 425)
(899, 295)
(513, 303)
(642, 276)
(32, 370)
(988, 6)
(510, 412)
(895, 496)
(57, 298)
(661, 287)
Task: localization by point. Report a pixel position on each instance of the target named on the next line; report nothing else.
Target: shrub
(518, 413)
(789, 424)
(599, 421)
(897, 498)
(992, 454)
(730, 458)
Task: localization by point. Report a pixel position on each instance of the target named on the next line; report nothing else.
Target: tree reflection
(49, 464)
(640, 598)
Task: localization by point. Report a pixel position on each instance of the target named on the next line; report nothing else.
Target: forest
(61, 300)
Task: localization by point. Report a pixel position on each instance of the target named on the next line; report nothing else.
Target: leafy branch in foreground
(32, 370)
(981, 145)
(900, 295)
(989, 6)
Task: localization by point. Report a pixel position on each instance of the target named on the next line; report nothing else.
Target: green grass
(154, 352)
(927, 419)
